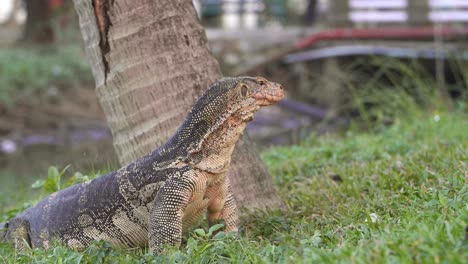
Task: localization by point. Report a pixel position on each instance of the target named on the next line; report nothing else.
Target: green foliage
(53, 182)
(397, 194)
(32, 73)
(396, 88)
(411, 177)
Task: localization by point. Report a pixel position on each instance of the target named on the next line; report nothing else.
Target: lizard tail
(3, 231)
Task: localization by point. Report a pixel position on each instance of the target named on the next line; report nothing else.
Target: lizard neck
(215, 150)
(202, 120)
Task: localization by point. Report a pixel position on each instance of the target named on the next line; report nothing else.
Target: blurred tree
(46, 20)
(38, 28)
(63, 12)
(151, 62)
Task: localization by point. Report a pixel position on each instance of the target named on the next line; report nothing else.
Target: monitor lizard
(152, 200)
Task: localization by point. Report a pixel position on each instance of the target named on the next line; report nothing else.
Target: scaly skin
(151, 200)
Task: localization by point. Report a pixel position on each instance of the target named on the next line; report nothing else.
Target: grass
(383, 88)
(412, 177)
(38, 73)
(398, 194)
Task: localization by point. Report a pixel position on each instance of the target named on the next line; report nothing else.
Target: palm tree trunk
(151, 62)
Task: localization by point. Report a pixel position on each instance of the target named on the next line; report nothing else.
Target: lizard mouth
(264, 99)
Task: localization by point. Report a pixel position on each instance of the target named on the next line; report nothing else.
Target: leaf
(64, 170)
(200, 232)
(52, 172)
(50, 186)
(191, 245)
(74, 258)
(53, 182)
(214, 228)
(38, 184)
(53, 179)
(203, 249)
(78, 177)
(220, 236)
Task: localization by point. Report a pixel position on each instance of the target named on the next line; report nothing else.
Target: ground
(394, 194)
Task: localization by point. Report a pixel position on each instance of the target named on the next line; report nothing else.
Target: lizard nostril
(281, 87)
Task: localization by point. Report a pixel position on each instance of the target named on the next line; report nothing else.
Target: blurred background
(344, 63)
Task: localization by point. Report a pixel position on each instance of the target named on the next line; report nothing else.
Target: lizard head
(227, 107)
(234, 98)
(219, 117)
(251, 93)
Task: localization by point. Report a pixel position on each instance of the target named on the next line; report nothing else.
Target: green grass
(395, 195)
(382, 88)
(39, 73)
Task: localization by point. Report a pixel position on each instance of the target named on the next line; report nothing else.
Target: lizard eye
(244, 90)
(261, 82)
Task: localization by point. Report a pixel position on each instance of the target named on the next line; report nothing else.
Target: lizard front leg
(165, 222)
(222, 205)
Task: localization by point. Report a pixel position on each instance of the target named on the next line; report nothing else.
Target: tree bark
(38, 28)
(151, 62)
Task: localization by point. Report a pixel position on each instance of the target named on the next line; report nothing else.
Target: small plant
(206, 236)
(53, 182)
